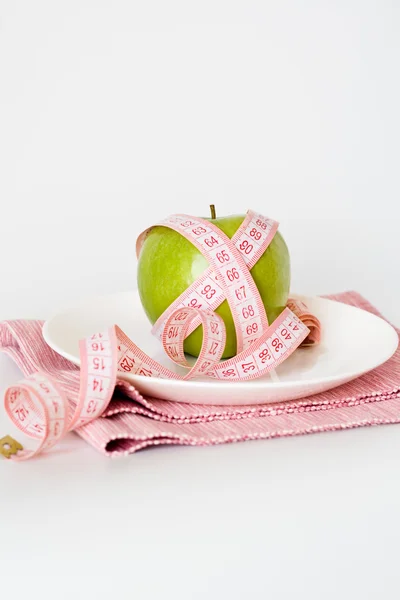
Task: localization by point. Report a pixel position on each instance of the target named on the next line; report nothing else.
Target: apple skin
(168, 264)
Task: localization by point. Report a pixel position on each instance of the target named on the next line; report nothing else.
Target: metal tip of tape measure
(9, 446)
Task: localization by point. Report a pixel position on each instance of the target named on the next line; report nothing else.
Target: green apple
(169, 264)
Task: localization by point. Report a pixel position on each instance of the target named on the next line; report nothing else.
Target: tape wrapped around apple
(168, 264)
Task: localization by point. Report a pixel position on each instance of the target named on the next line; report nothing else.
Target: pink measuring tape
(39, 408)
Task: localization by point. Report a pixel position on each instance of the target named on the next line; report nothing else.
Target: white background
(114, 114)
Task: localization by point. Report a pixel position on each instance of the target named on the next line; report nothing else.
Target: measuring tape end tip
(9, 446)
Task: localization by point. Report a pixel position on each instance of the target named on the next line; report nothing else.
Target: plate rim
(255, 383)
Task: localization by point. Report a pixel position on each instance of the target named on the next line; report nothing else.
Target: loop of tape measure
(39, 408)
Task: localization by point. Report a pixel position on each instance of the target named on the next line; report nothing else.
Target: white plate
(353, 342)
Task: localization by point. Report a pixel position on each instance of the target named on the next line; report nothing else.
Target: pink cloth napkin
(132, 422)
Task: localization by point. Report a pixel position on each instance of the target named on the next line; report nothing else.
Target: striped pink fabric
(132, 422)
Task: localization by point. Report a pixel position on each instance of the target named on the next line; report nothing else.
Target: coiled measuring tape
(39, 408)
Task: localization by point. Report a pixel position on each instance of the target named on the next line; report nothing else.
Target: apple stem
(213, 213)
